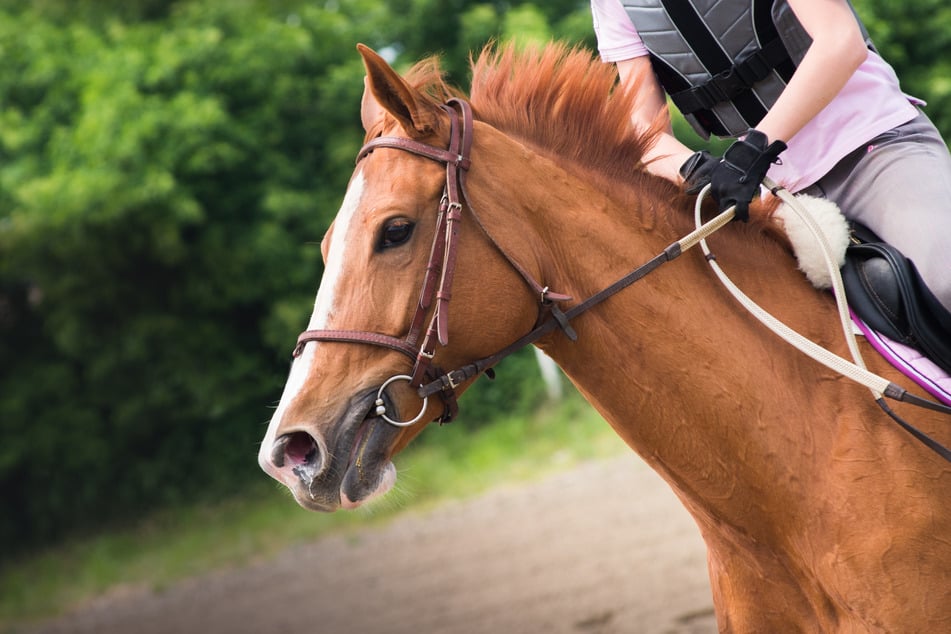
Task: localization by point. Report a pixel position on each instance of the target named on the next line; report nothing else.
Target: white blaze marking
(323, 307)
(326, 294)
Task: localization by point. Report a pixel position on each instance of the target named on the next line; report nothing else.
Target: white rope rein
(854, 370)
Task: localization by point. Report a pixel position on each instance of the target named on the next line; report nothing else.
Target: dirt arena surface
(601, 548)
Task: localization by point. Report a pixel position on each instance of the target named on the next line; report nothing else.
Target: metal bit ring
(381, 406)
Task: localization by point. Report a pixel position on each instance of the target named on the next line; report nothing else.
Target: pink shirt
(870, 103)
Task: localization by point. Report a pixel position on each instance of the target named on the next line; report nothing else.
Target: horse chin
(387, 478)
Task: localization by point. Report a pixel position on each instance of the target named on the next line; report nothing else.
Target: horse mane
(567, 105)
(560, 100)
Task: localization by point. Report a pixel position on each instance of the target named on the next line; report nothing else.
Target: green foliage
(159, 181)
(915, 38)
(166, 172)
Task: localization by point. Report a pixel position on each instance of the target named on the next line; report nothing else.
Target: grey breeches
(899, 186)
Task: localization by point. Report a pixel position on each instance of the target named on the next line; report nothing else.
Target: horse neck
(672, 362)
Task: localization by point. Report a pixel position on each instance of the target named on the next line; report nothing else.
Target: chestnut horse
(819, 514)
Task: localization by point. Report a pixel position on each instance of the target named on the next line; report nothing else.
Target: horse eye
(396, 232)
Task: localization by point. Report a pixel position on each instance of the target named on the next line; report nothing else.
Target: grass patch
(450, 462)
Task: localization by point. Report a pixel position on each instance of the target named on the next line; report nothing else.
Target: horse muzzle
(346, 472)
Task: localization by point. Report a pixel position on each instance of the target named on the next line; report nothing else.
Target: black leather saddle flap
(885, 290)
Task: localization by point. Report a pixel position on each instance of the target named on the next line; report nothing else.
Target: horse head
(382, 321)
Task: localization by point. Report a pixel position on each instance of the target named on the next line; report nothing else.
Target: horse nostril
(299, 451)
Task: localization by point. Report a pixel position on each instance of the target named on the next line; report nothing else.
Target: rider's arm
(668, 154)
(838, 49)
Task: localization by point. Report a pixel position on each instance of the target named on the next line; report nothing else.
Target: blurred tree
(158, 180)
(915, 38)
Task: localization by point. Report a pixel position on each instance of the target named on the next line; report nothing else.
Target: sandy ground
(602, 548)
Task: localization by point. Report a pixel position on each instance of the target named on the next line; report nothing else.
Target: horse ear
(385, 90)
(370, 109)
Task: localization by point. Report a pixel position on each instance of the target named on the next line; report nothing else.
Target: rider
(801, 87)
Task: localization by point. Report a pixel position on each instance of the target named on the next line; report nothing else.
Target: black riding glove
(736, 179)
(696, 171)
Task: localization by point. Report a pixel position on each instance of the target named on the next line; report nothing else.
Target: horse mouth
(369, 473)
(359, 466)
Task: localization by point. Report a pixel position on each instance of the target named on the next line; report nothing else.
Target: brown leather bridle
(440, 270)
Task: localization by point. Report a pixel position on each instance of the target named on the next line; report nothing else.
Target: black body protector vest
(723, 62)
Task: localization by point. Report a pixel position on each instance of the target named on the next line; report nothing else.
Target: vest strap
(734, 81)
(689, 22)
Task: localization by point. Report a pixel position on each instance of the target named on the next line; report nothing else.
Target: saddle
(885, 290)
